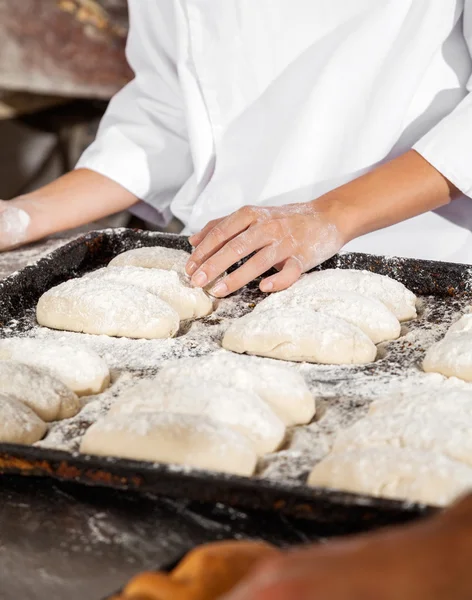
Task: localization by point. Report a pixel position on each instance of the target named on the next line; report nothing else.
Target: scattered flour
(343, 393)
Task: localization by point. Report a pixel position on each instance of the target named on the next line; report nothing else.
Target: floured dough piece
(18, 423)
(190, 303)
(48, 397)
(153, 257)
(243, 411)
(397, 473)
(452, 356)
(369, 314)
(448, 433)
(428, 401)
(172, 438)
(78, 367)
(106, 308)
(392, 293)
(299, 334)
(463, 325)
(279, 386)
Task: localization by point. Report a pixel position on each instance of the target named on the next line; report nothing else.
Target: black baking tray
(20, 293)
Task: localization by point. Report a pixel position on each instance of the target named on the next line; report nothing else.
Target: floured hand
(293, 238)
(14, 224)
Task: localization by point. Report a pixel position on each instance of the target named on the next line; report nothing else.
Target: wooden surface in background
(63, 47)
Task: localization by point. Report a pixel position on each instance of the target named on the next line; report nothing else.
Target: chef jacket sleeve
(448, 146)
(142, 142)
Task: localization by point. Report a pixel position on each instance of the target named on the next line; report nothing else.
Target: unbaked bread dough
(463, 325)
(190, 303)
(369, 314)
(398, 473)
(189, 440)
(452, 356)
(392, 293)
(153, 257)
(78, 367)
(299, 334)
(18, 423)
(243, 411)
(48, 397)
(278, 385)
(106, 308)
(444, 432)
(425, 402)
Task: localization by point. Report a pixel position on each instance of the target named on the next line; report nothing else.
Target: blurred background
(60, 63)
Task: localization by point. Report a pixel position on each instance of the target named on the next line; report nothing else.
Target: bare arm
(296, 238)
(73, 200)
(426, 561)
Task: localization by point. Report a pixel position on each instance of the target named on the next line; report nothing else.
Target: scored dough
(452, 356)
(153, 257)
(78, 367)
(106, 308)
(369, 314)
(299, 334)
(48, 397)
(243, 411)
(190, 303)
(278, 385)
(393, 294)
(398, 473)
(188, 440)
(445, 432)
(18, 423)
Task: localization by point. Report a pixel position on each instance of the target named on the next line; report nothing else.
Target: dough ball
(425, 429)
(243, 411)
(48, 397)
(452, 357)
(106, 308)
(79, 368)
(299, 334)
(153, 257)
(278, 385)
(397, 473)
(393, 294)
(188, 440)
(369, 314)
(18, 423)
(463, 325)
(436, 401)
(190, 303)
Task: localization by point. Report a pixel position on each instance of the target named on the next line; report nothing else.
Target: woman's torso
(288, 99)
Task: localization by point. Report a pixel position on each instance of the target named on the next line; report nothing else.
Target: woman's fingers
(254, 267)
(287, 276)
(233, 251)
(197, 238)
(221, 233)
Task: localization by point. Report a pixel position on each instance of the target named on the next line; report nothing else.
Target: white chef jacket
(270, 102)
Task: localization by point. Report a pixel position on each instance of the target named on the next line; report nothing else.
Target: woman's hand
(14, 225)
(297, 237)
(293, 238)
(427, 561)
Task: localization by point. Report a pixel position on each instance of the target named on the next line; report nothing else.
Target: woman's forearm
(73, 200)
(401, 189)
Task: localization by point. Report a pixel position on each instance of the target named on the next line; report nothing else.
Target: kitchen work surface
(147, 531)
(69, 541)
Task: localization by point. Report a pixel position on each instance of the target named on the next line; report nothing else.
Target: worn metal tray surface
(343, 393)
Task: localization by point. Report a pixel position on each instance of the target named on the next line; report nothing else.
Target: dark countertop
(73, 542)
